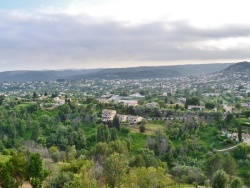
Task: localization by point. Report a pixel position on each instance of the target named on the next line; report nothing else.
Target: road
(219, 150)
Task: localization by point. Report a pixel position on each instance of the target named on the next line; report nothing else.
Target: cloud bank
(52, 39)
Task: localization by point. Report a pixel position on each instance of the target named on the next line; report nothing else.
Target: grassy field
(89, 130)
(151, 128)
(137, 141)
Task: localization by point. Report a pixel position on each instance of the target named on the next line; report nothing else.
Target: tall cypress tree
(113, 134)
(240, 132)
(103, 134)
(116, 123)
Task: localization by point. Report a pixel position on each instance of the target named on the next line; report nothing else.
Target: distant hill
(44, 75)
(132, 73)
(118, 73)
(154, 71)
(239, 67)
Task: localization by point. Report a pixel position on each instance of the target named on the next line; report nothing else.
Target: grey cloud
(62, 41)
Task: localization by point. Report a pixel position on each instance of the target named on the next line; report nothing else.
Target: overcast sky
(60, 34)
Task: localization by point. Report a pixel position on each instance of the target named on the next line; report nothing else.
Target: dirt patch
(26, 184)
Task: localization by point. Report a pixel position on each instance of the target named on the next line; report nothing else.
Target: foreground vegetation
(70, 146)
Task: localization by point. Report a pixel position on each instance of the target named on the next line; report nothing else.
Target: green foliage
(84, 178)
(192, 101)
(60, 180)
(137, 141)
(125, 130)
(229, 164)
(207, 183)
(217, 162)
(241, 151)
(13, 172)
(115, 167)
(36, 182)
(240, 132)
(32, 107)
(6, 180)
(116, 123)
(152, 177)
(113, 134)
(189, 174)
(142, 129)
(35, 167)
(220, 179)
(238, 105)
(247, 113)
(229, 118)
(18, 170)
(210, 105)
(103, 150)
(139, 161)
(54, 152)
(149, 158)
(1, 99)
(236, 183)
(4, 159)
(81, 147)
(103, 134)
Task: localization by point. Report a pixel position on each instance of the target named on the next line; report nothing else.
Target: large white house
(134, 119)
(59, 101)
(108, 115)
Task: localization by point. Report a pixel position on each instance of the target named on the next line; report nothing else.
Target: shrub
(142, 129)
(125, 130)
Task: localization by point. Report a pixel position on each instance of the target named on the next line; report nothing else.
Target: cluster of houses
(234, 136)
(108, 115)
(127, 101)
(59, 101)
(229, 110)
(246, 105)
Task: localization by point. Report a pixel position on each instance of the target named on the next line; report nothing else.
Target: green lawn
(151, 128)
(137, 141)
(89, 130)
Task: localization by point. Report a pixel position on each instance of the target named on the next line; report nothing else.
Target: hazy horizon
(116, 67)
(89, 34)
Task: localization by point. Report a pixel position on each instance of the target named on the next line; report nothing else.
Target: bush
(91, 138)
(125, 130)
(6, 152)
(236, 183)
(142, 129)
(229, 141)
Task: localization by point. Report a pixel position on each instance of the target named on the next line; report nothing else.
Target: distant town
(186, 124)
